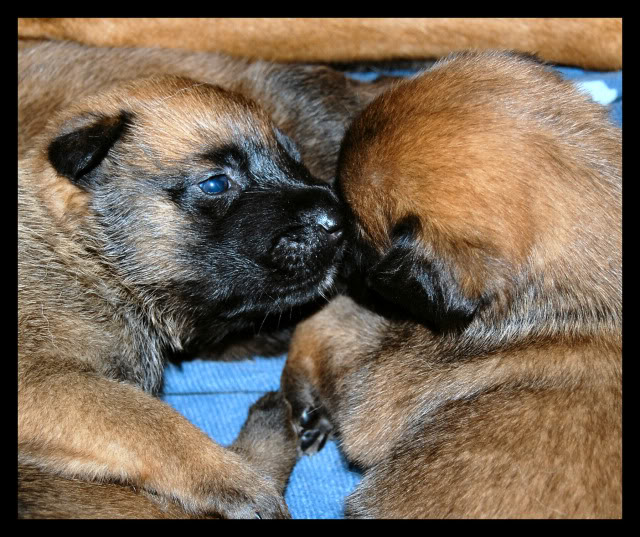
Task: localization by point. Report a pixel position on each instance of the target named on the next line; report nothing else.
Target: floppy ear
(79, 151)
(427, 288)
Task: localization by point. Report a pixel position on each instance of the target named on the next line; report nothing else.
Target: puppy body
(487, 200)
(591, 43)
(531, 433)
(153, 215)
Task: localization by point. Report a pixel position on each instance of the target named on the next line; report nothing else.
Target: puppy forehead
(187, 115)
(174, 118)
(433, 165)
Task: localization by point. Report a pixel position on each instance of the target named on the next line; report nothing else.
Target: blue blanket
(216, 396)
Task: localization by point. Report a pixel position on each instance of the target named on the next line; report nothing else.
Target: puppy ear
(427, 288)
(75, 153)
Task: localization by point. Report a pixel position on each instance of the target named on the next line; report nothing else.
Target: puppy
(479, 372)
(592, 43)
(154, 215)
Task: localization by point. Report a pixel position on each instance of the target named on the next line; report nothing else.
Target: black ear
(426, 288)
(76, 153)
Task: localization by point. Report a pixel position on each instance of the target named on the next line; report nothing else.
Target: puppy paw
(266, 504)
(248, 479)
(314, 428)
(309, 416)
(270, 416)
(242, 493)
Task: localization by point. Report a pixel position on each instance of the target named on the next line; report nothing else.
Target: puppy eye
(216, 184)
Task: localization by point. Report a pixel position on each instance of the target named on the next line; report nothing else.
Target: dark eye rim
(223, 178)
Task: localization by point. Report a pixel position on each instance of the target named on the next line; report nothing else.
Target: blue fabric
(604, 88)
(216, 396)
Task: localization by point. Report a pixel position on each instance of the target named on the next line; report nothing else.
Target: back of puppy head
(478, 173)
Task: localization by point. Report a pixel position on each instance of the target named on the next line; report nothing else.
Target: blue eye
(216, 184)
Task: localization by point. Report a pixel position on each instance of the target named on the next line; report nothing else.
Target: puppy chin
(305, 286)
(286, 293)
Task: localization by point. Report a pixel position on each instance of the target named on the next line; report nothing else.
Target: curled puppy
(479, 373)
(152, 216)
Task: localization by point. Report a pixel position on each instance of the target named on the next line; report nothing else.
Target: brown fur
(591, 43)
(486, 196)
(113, 247)
(87, 358)
(312, 104)
(266, 442)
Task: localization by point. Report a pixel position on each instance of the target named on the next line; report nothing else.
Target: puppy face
(199, 201)
(466, 184)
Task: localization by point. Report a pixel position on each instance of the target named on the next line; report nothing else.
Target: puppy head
(197, 197)
(473, 176)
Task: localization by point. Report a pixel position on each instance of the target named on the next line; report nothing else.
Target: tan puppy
(154, 216)
(162, 214)
(486, 196)
(591, 43)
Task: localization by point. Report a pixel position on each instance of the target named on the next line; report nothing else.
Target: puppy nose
(331, 221)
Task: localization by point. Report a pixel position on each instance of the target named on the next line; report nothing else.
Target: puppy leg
(309, 416)
(77, 424)
(267, 442)
(301, 387)
(324, 369)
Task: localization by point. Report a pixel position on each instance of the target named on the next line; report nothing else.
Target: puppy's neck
(552, 307)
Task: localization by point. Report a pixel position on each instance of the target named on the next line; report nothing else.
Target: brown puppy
(592, 43)
(152, 216)
(113, 273)
(486, 195)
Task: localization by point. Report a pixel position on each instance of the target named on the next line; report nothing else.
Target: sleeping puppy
(479, 373)
(154, 215)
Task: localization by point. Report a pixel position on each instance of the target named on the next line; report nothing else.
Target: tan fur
(75, 418)
(591, 43)
(312, 104)
(265, 442)
(90, 342)
(502, 207)
(515, 179)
